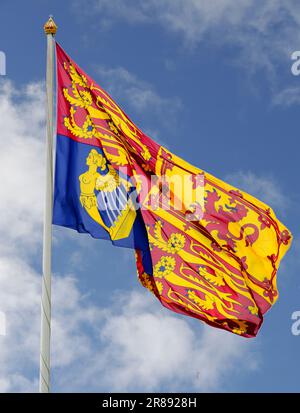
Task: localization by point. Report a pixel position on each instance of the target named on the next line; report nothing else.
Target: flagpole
(44, 384)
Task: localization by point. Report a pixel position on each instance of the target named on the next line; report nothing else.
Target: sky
(212, 81)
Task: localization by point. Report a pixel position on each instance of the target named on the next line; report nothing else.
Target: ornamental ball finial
(50, 26)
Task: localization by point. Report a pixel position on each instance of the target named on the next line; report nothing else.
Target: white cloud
(21, 213)
(194, 19)
(134, 344)
(21, 159)
(138, 94)
(262, 187)
(147, 348)
(190, 17)
(20, 301)
(264, 34)
(287, 97)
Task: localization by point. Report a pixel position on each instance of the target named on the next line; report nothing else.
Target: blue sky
(212, 81)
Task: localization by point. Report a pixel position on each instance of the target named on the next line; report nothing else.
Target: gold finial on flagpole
(50, 26)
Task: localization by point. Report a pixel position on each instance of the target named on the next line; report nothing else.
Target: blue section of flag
(71, 161)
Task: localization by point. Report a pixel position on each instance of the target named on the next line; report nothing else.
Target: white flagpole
(44, 385)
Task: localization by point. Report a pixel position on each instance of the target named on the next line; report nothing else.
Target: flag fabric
(204, 248)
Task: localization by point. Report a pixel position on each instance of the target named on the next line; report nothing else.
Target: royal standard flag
(203, 248)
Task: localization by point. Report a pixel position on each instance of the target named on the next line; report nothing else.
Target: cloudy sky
(212, 81)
